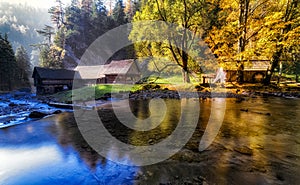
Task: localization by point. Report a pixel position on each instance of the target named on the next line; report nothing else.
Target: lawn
(98, 91)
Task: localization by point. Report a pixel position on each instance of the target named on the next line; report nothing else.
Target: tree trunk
(280, 73)
(297, 70)
(186, 76)
(275, 62)
(243, 19)
(185, 71)
(240, 73)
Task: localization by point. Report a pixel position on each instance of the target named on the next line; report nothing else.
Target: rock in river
(57, 112)
(244, 150)
(36, 114)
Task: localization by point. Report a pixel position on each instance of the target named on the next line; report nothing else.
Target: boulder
(244, 150)
(12, 104)
(57, 112)
(36, 114)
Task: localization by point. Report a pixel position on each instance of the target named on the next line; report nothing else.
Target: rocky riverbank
(229, 93)
(21, 106)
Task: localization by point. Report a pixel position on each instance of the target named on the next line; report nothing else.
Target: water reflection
(251, 148)
(165, 126)
(52, 151)
(259, 140)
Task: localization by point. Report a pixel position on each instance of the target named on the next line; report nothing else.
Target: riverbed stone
(12, 104)
(37, 114)
(57, 112)
(244, 150)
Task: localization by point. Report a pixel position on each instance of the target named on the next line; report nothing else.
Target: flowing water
(258, 143)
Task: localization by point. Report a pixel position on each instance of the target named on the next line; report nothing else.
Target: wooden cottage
(254, 71)
(122, 71)
(49, 81)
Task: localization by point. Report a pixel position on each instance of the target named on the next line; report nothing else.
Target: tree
(259, 29)
(186, 14)
(118, 13)
(128, 10)
(51, 53)
(57, 14)
(84, 24)
(77, 27)
(23, 64)
(281, 32)
(131, 6)
(20, 21)
(7, 64)
(233, 30)
(47, 32)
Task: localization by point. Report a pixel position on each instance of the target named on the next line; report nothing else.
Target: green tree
(20, 21)
(7, 64)
(187, 15)
(23, 65)
(47, 32)
(57, 14)
(118, 13)
(51, 52)
(131, 6)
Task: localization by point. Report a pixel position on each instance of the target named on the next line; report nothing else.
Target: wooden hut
(254, 71)
(49, 81)
(122, 71)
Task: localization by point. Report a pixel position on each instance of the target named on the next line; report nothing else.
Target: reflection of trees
(254, 142)
(140, 108)
(205, 110)
(165, 128)
(68, 134)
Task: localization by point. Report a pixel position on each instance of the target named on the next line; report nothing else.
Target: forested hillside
(77, 26)
(20, 21)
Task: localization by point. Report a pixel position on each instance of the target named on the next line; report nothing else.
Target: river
(258, 143)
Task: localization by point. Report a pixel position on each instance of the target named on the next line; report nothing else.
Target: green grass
(291, 76)
(98, 91)
(91, 92)
(174, 79)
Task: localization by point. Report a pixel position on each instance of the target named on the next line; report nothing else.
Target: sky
(37, 3)
(43, 3)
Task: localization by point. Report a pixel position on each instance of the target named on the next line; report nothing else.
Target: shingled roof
(255, 65)
(120, 67)
(55, 74)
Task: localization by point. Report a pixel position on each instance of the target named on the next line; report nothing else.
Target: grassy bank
(171, 83)
(100, 90)
(86, 93)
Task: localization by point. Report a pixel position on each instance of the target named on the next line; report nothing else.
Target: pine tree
(131, 6)
(7, 65)
(118, 13)
(57, 14)
(23, 65)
